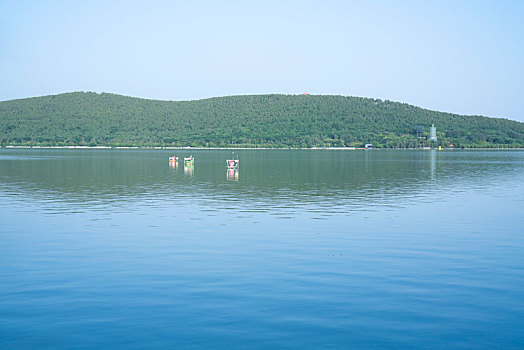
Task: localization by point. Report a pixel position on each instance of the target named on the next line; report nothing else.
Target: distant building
(433, 133)
(305, 93)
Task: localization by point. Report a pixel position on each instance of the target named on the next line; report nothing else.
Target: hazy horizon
(463, 58)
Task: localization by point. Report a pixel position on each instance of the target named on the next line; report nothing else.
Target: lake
(297, 249)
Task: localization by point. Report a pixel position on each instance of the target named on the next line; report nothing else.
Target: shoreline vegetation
(260, 148)
(87, 119)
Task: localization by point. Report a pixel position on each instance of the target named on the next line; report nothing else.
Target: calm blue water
(299, 249)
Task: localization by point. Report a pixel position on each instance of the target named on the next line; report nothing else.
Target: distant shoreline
(82, 119)
(252, 148)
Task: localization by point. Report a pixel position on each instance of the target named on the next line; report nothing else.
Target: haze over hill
(91, 119)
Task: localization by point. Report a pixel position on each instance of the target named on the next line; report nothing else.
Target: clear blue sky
(464, 57)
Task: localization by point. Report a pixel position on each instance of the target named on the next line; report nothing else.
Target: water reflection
(232, 174)
(270, 179)
(173, 165)
(189, 170)
(433, 160)
(103, 243)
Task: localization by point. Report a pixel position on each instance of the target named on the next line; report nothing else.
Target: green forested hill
(82, 118)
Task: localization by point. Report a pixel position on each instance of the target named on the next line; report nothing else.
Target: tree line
(91, 119)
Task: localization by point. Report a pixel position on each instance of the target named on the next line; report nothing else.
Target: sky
(464, 57)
